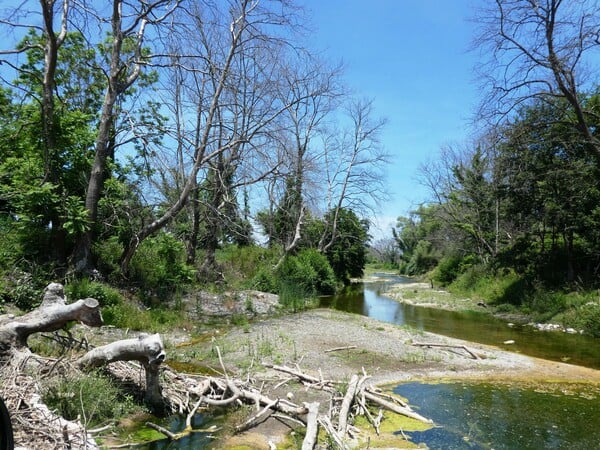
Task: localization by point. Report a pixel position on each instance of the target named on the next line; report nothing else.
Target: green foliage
(265, 280)
(109, 252)
(308, 272)
(546, 304)
(348, 253)
(246, 265)
(23, 289)
(128, 315)
(447, 270)
(84, 288)
(159, 266)
(495, 288)
(418, 238)
(586, 318)
(90, 397)
(76, 217)
(324, 281)
(293, 296)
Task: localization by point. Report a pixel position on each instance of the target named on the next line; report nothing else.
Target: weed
(90, 397)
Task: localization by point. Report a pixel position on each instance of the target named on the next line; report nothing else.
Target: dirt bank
(387, 352)
(335, 345)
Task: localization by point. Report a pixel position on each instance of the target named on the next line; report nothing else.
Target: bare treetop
(538, 50)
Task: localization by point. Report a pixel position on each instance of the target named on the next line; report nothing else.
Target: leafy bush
(159, 266)
(448, 269)
(90, 397)
(265, 281)
(293, 296)
(246, 264)
(499, 288)
(546, 304)
(23, 289)
(109, 252)
(586, 318)
(294, 272)
(324, 281)
(83, 288)
(127, 315)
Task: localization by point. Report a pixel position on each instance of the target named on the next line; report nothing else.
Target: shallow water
(367, 299)
(491, 416)
(472, 415)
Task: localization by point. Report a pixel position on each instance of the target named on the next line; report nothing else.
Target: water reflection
(486, 416)
(367, 299)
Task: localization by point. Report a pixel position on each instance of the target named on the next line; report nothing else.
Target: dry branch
(405, 411)
(337, 349)
(461, 347)
(312, 426)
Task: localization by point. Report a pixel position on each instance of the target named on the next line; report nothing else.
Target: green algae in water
(492, 416)
(197, 439)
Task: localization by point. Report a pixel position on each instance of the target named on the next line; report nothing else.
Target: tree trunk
(52, 315)
(147, 349)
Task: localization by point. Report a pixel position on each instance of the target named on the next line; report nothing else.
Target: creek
(367, 299)
(472, 415)
(484, 415)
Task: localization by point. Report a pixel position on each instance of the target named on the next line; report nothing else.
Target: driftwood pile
(335, 416)
(138, 362)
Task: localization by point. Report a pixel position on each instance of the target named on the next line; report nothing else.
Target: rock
(509, 342)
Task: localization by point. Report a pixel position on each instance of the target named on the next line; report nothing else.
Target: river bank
(330, 344)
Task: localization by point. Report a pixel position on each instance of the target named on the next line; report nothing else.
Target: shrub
(90, 397)
(265, 281)
(83, 288)
(23, 289)
(448, 269)
(547, 304)
(159, 266)
(242, 265)
(109, 253)
(293, 296)
(588, 318)
(498, 288)
(324, 281)
(127, 315)
(294, 272)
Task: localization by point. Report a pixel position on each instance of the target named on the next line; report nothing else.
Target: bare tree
(128, 22)
(315, 91)
(540, 49)
(354, 167)
(229, 69)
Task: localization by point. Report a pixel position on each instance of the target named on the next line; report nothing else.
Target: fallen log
(461, 347)
(405, 411)
(312, 426)
(346, 403)
(147, 349)
(52, 314)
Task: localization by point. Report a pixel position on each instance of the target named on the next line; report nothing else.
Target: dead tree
(52, 315)
(147, 349)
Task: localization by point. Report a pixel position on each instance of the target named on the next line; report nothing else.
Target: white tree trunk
(51, 315)
(147, 349)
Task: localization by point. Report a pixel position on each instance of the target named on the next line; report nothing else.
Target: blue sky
(411, 57)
